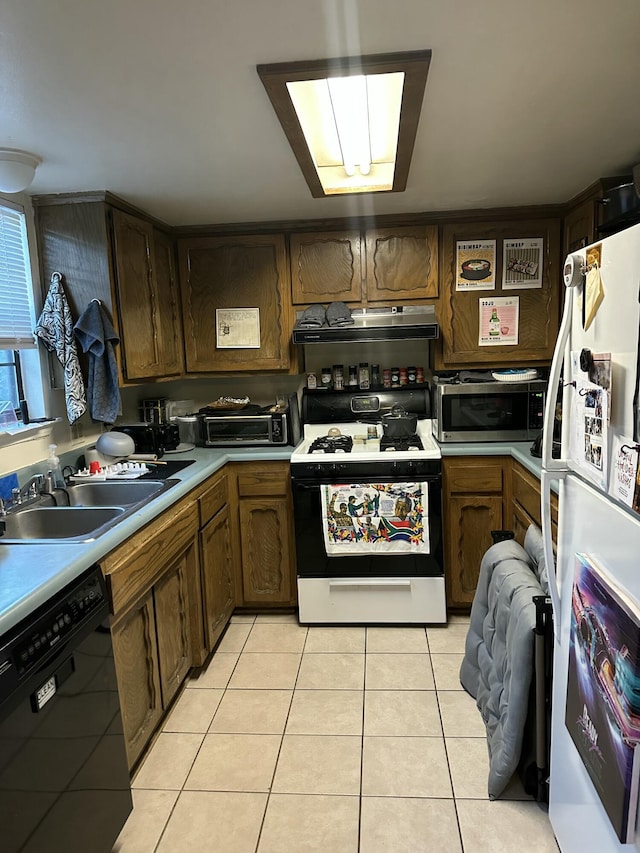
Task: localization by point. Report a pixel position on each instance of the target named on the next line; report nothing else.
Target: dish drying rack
(117, 471)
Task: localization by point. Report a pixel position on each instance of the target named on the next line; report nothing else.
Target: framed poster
(476, 265)
(499, 321)
(237, 328)
(522, 263)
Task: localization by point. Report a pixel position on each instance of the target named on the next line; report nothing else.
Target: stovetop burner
(411, 442)
(332, 444)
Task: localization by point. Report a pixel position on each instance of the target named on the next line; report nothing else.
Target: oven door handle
(368, 582)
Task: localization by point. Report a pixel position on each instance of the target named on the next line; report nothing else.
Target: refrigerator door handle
(559, 354)
(547, 539)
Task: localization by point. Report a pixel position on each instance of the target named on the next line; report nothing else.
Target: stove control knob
(340, 467)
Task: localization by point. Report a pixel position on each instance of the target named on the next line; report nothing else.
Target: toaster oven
(253, 426)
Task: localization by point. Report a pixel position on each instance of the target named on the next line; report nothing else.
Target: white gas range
(367, 512)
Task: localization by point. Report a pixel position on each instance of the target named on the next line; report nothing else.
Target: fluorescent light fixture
(17, 169)
(351, 122)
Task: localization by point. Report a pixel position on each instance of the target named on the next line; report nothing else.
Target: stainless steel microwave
(488, 411)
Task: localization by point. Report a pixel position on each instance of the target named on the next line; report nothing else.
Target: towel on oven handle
(370, 518)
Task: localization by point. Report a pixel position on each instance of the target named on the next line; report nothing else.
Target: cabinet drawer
(526, 492)
(134, 568)
(274, 481)
(212, 501)
(470, 478)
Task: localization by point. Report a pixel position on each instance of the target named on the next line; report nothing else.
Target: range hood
(402, 323)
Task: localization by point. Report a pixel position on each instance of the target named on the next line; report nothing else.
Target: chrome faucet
(32, 488)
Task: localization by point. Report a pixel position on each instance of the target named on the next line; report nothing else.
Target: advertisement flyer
(522, 263)
(476, 265)
(499, 319)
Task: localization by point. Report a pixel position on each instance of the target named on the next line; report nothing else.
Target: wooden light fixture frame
(414, 65)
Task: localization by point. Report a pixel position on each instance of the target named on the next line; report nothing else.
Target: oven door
(313, 561)
(387, 587)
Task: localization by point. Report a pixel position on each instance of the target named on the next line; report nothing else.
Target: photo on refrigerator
(603, 691)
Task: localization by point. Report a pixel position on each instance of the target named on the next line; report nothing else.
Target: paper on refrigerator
(375, 518)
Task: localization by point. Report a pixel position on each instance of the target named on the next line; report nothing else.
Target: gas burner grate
(410, 442)
(332, 444)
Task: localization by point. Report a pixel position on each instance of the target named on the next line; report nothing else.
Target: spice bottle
(386, 378)
(395, 377)
(419, 375)
(353, 376)
(326, 378)
(411, 375)
(312, 380)
(338, 377)
(375, 375)
(363, 375)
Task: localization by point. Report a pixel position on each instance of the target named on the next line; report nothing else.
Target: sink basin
(110, 493)
(56, 524)
(94, 509)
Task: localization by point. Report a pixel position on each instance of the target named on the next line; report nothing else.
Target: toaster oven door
(239, 430)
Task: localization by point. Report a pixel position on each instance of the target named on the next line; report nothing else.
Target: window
(16, 301)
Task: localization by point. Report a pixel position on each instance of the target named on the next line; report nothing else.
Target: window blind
(16, 295)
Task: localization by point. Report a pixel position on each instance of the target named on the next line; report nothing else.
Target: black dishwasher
(64, 780)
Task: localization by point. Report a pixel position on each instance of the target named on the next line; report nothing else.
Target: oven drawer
(353, 601)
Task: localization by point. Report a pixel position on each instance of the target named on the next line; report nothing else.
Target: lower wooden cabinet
(264, 524)
(473, 507)
(135, 651)
(525, 503)
(217, 575)
(152, 582)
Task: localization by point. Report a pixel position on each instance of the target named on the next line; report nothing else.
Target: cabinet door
(402, 263)
(470, 520)
(217, 574)
(169, 313)
(136, 657)
(233, 273)
(138, 300)
(265, 534)
(171, 596)
(326, 267)
(538, 307)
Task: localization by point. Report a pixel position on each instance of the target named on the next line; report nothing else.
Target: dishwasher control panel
(47, 628)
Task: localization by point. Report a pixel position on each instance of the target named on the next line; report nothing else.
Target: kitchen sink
(110, 493)
(94, 509)
(65, 523)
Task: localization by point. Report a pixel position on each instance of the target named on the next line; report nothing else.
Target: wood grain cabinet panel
(172, 606)
(402, 263)
(217, 574)
(136, 656)
(263, 531)
(473, 507)
(472, 517)
(538, 307)
(266, 556)
(235, 273)
(170, 313)
(326, 267)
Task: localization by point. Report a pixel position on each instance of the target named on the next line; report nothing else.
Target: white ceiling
(159, 100)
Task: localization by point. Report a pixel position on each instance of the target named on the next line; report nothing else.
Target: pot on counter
(398, 423)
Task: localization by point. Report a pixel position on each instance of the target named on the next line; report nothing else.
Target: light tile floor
(327, 739)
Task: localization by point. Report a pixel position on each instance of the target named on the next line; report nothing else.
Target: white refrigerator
(592, 520)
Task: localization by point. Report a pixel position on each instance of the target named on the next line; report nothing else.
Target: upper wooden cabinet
(147, 294)
(127, 263)
(387, 265)
(402, 263)
(235, 272)
(538, 307)
(326, 267)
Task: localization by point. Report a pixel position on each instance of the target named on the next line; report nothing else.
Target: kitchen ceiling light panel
(351, 122)
(17, 169)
